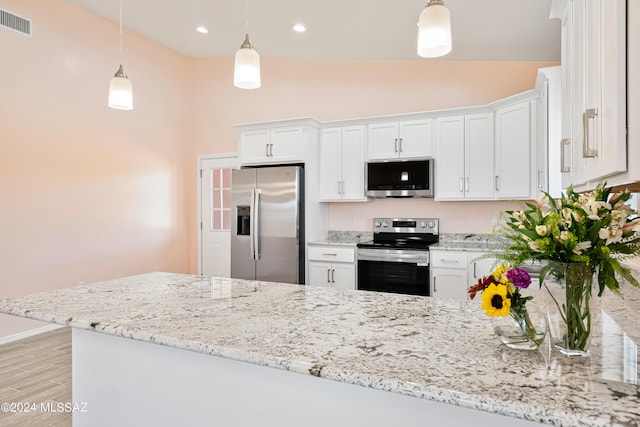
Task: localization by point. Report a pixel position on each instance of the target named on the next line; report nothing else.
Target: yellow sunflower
(495, 301)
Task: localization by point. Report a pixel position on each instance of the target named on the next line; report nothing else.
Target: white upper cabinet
(514, 166)
(342, 162)
(281, 145)
(594, 90)
(464, 157)
(400, 140)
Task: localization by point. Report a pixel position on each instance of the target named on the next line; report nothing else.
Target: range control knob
(385, 224)
(432, 224)
(377, 224)
(423, 224)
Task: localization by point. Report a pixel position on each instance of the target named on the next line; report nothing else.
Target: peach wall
(334, 90)
(88, 193)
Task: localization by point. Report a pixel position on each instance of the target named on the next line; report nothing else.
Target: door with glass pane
(215, 215)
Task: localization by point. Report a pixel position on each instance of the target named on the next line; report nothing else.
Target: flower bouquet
(579, 239)
(501, 297)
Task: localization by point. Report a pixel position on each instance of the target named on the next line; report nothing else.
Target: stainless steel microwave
(409, 178)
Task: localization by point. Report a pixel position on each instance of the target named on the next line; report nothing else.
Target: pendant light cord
(246, 14)
(121, 51)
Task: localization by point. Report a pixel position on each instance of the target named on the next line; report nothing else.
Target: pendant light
(246, 74)
(434, 30)
(120, 88)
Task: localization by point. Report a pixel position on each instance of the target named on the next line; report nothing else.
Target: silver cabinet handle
(461, 186)
(449, 260)
(328, 275)
(466, 184)
(587, 151)
(563, 143)
(327, 254)
(497, 183)
(266, 148)
(400, 144)
(271, 150)
(434, 284)
(540, 178)
(395, 143)
(475, 275)
(333, 277)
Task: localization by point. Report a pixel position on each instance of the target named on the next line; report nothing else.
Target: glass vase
(569, 289)
(523, 329)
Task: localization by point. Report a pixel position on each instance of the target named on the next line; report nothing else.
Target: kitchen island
(165, 349)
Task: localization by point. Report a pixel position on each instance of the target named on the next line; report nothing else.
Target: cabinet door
(343, 275)
(594, 70)
(286, 144)
(479, 268)
(330, 164)
(513, 151)
(605, 90)
(478, 158)
(353, 163)
(415, 138)
(382, 141)
(254, 146)
(319, 274)
(567, 169)
(449, 283)
(449, 162)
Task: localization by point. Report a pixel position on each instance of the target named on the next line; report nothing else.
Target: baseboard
(29, 333)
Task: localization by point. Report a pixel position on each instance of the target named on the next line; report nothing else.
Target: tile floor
(36, 371)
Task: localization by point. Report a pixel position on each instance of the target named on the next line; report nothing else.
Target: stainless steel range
(397, 259)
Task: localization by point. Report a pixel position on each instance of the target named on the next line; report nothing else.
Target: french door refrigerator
(267, 225)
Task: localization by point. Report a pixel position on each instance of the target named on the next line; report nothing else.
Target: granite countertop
(448, 241)
(343, 238)
(437, 349)
(461, 246)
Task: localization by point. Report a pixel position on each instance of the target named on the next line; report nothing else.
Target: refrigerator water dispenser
(244, 221)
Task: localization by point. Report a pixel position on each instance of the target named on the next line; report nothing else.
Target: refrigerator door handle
(255, 216)
(252, 228)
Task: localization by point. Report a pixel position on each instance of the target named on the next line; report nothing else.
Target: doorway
(214, 202)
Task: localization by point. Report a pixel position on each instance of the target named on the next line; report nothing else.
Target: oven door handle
(420, 258)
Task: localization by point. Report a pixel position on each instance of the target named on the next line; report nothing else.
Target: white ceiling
(492, 30)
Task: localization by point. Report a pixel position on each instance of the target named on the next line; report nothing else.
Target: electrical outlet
(494, 220)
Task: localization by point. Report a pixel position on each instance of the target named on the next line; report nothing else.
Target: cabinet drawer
(331, 254)
(448, 259)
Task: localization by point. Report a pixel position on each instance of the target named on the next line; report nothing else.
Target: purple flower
(519, 277)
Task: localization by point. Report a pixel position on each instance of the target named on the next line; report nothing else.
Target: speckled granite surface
(436, 349)
(448, 241)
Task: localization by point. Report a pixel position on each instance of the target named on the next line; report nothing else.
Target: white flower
(610, 235)
(534, 247)
(629, 226)
(564, 235)
(580, 247)
(541, 230)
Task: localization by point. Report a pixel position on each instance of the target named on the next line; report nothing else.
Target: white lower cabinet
(452, 272)
(332, 266)
(449, 274)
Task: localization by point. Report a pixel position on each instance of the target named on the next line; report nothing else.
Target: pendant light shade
(246, 73)
(120, 91)
(434, 30)
(120, 87)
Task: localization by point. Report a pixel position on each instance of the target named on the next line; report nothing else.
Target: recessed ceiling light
(202, 29)
(299, 28)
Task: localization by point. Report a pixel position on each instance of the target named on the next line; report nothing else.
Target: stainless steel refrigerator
(267, 226)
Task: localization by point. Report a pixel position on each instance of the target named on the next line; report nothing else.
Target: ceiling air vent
(15, 22)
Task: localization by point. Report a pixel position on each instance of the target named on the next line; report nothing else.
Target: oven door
(391, 270)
